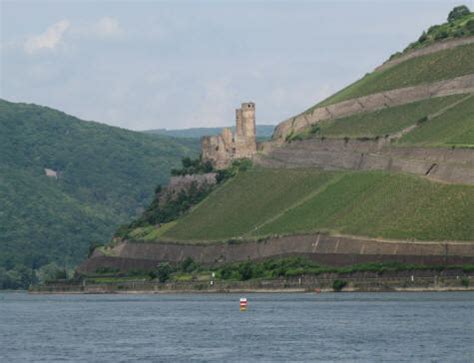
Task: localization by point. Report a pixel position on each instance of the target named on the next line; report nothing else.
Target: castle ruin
(222, 149)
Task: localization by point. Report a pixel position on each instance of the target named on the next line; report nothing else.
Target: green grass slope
(386, 121)
(246, 201)
(454, 127)
(264, 202)
(106, 177)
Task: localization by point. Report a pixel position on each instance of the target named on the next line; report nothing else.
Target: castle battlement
(222, 149)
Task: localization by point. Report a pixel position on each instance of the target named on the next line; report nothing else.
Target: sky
(152, 64)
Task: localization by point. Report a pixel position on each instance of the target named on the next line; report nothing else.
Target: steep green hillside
(433, 67)
(245, 201)
(454, 127)
(386, 121)
(106, 176)
(263, 202)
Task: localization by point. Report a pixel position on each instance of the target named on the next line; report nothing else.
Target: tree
(458, 12)
(164, 271)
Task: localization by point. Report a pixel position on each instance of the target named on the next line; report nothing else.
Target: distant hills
(66, 183)
(263, 132)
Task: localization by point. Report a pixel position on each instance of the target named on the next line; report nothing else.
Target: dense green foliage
(167, 207)
(193, 166)
(163, 211)
(338, 285)
(376, 204)
(272, 268)
(460, 24)
(445, 64)
(455, 127)
(459, 12)
(386, 121)
(105, 177)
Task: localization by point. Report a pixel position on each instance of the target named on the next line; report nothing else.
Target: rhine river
(365, 327)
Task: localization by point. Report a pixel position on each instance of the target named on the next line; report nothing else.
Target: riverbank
(358, 282)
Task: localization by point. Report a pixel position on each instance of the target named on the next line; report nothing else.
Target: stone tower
(248, 120)
(224, 148)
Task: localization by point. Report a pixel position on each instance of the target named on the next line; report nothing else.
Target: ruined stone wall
(184, 183)
(224, 148)
(374, 102)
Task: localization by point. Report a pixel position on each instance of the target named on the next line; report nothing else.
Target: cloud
(50, 39)
(108, 27)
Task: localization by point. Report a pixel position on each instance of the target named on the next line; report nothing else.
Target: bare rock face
(51, 173)
(184, 183)
(220, 150)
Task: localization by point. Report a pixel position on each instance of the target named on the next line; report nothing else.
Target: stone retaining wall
(324, 249)
(373, 102)
(441, 164)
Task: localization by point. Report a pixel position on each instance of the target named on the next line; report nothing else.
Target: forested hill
(99, 177)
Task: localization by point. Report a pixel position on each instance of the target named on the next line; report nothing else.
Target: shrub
(338, 285)
(423, 37)
(246, 271)
(458, 12)
(164, 271)
(188, 265)
(315, 129)
(422, 120)
(441, 35)
(465, 281)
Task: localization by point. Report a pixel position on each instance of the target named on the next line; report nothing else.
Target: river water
(209, 327)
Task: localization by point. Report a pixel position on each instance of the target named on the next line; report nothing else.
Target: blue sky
(151, 64)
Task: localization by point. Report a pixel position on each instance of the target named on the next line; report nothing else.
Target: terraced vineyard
(385, 121)
(446, 64)
(376, 204)
(454, 127)
(246, 201)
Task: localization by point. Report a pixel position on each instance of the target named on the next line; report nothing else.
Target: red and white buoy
(243, 304)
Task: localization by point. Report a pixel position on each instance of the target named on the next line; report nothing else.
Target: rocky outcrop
(442, 164)
(324, 249)
(374, 102)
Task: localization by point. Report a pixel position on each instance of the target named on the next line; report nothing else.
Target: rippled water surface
(209, 327)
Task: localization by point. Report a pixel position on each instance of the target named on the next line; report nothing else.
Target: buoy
(243, 304)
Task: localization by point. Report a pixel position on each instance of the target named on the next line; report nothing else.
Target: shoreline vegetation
(293, 274)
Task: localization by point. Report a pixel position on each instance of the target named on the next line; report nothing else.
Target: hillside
(385, 165)
(266, 202)
(264, 132)
(102, 176)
